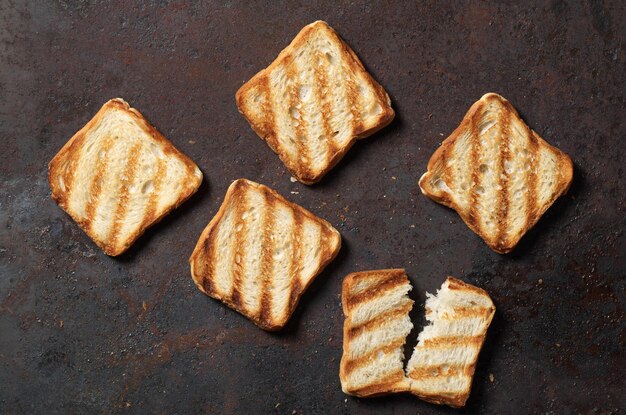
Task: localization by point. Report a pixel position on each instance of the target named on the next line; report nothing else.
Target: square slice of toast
(376, 305)
(313, 102)
(118, 176)
(261, 252)
(497, 173)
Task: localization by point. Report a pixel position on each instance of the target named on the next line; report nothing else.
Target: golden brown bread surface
(313, 102)
(261, 252)
(118, 176)
(376, 306)
(497, 173)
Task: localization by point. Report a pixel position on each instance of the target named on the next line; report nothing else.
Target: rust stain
(142, 365)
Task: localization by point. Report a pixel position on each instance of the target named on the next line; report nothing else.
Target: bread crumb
(295, 193)
(192, 142)
(393, 177)
(144, 305)
(277, 405)
(491, 377)
(61, 323)
(412, 226)
(540, 281)
(293, 179)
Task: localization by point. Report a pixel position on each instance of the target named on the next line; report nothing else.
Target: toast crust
(70, 153)
(203, 251)
(265, 129)
(499, 243)
(458, 285)
(393, 384)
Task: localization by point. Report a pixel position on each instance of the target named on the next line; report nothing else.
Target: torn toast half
(442, 365)
(376, 305)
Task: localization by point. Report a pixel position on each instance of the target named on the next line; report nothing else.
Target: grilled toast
(313, 102)
(497, 173)
(377, 323)
(118, 176)
(376, 305)
(442, 365)
(261, 252)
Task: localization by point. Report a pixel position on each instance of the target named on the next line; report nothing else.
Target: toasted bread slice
(497, 173)
(260, 253)
(376, 306)
(118, 176)
(444, 359)
(313, 102)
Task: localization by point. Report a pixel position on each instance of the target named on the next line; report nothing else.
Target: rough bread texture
(497, 173)
(260, 253)
(118, 175)
(313, 102)
(444, 359)
(377, 306)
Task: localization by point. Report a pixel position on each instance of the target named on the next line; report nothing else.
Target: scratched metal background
(84, 333)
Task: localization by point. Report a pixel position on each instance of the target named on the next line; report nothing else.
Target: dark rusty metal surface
(84, 333)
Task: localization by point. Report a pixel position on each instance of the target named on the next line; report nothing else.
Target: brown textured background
(84, 333)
